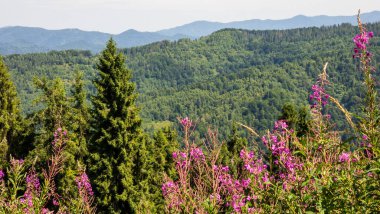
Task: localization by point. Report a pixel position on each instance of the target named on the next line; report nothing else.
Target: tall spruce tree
(9, 112)
(116, 136)
(161, 161)
(80, 116)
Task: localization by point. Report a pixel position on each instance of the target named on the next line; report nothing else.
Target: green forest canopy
(231, 75)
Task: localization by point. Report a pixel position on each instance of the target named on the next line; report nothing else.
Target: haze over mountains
(18, 40)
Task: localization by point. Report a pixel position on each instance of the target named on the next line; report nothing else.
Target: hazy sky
(115, 16)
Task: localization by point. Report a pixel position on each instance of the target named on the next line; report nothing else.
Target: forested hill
(231, 75)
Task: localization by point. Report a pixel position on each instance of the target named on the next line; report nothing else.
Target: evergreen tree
(80, 116)
(9, 112)
(161, 161)
(230, 151)
(116, 134)
(297, 119)
(56, 112)
(53, 113)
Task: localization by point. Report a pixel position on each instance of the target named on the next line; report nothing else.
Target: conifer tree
(9, 112)
(161, 151)
(56, 112)
(53, 113)
(230, 151)
(80, 114)
(116, 135)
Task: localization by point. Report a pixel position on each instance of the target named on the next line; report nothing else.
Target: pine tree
(116, 135)
(9, 112)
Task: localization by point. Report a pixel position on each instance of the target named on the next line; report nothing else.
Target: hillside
(231, 75)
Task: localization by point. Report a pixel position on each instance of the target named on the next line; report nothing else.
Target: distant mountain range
(17, 40)
(203, 28)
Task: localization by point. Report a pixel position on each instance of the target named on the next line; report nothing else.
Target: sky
(116, 16)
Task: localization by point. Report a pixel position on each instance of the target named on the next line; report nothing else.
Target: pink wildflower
(197, 154)
(186, 122)
(344, 157)
(83, 183)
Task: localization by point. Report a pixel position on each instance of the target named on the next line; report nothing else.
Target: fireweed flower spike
(361, 41)
(83, 183)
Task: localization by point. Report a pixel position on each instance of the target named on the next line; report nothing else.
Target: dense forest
(83, 133)
(231, 75)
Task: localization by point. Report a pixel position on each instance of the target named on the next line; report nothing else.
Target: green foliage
(230, 151)
(297, 119)
(80, 115)
(56, 111)
(161, 162)
(9, 113)
(231, 75)
(116, 143)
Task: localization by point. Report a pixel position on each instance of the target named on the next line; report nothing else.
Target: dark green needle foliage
(116, 134)
(164, 144)
(230, 151)
(9, 112)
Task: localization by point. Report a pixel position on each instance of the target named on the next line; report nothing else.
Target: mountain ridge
(271, 24)
(19, 39)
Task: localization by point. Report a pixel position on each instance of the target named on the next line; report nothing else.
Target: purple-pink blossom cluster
(186, 122)
(83, 184)
(1, 175)
(345, 157)
(32, 190)
(280, 125)
(170, 191)
(17, 163)
(283, 157)
(168, 187)
(197, 154)
(318, 96)
(361, 41)
(58, 134)
(232, 187)
(253, 166)
(180, 159)
(32, 181)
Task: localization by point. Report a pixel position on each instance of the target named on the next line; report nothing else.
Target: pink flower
(55, 202)
(361, 41)
(197, 154)
(1, 175)
(344, 157)
(83, 183)
(175, 155)
(186, 122)
(225, 168)
(45, 211)
(168, 187)
(280, 124)
(318, 96)
(245, 182)
(32, 182)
